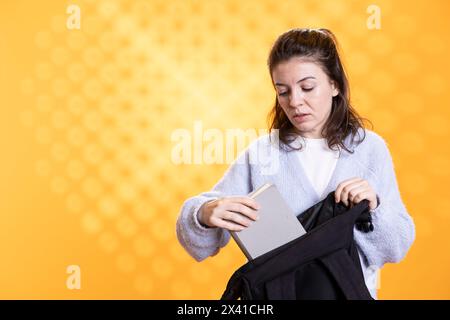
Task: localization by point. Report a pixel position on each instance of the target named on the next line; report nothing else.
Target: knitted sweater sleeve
(394, 230)
(199, 241)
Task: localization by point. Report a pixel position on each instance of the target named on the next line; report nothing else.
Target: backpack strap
(233, 290)
(344, 271)
(237, 287)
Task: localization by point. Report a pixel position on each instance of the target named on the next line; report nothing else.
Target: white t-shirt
(318, 161)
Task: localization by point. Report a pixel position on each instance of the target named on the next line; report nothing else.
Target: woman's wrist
(200, 215)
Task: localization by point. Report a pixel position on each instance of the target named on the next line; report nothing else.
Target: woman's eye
(285, 93)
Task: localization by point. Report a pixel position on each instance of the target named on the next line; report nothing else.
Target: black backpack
(321, 264)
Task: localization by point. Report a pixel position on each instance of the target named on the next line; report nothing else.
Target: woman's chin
(303, 127)
(306, 131)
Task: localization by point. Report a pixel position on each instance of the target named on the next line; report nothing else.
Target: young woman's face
(305, 94)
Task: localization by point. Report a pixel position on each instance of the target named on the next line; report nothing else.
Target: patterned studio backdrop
(92, 93)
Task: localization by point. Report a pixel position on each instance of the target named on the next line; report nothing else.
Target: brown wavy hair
(319, 46)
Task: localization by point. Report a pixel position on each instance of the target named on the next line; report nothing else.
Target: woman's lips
(301, 117)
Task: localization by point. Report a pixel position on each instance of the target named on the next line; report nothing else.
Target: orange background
(86, 117)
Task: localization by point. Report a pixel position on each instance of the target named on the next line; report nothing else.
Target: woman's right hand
(232, 213)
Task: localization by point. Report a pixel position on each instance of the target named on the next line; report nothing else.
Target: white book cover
(276, 226)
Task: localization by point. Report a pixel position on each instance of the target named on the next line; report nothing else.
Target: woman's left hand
(354, 190)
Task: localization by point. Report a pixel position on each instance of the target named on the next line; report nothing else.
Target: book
(276, 226)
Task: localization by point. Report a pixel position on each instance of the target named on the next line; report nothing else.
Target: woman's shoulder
(373, 148)
(369, 139)
(264, 142)
(262, 145)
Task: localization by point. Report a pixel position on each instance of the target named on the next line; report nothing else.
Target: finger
(231, 226)
(242, 209)
(344, 197)
(350, 191)
(249, 202)
(237, 218)
(368, 195)
(341, 186)
(364, 194)
(355, 192)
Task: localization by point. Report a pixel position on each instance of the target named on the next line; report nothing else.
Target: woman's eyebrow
(284, 85)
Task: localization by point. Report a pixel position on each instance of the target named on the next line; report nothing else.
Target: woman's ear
(335, 90)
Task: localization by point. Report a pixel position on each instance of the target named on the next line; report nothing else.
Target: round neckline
(315, 142)
(314, 139)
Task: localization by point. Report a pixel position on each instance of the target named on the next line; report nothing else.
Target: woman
(322, 147)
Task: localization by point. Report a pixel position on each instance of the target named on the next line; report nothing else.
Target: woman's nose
(296, 98)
